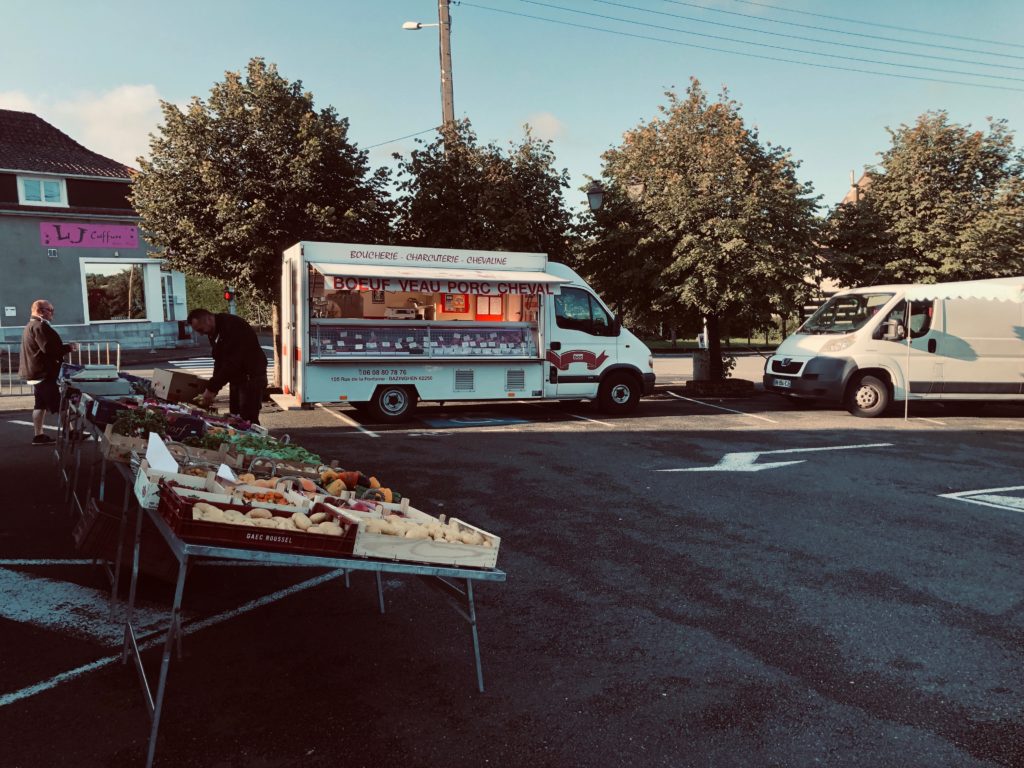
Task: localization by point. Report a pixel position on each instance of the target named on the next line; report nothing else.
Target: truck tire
(868, 396)
(391, 404)
(619, 393)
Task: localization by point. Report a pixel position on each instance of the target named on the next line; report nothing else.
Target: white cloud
(115, 123)
(546, 126)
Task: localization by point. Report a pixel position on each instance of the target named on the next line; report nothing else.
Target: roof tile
(29, 143)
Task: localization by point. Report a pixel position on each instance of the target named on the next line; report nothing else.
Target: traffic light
(229, 294)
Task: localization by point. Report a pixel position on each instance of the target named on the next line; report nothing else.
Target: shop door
(580, 343)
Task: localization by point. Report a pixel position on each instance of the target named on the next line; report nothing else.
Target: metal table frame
(444, 578)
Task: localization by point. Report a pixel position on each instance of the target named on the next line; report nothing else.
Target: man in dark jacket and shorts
(42, 352)
(238, 361)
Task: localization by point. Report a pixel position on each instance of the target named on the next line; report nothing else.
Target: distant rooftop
(30, 144)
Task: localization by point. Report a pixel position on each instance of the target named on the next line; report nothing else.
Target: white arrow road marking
(989, 497)
(744, 462)
(188, 629)
(67, 608)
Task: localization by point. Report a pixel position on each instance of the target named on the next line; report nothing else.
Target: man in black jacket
(42, 352)
(238, 361)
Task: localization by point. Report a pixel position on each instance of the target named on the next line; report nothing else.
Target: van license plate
(782, 383)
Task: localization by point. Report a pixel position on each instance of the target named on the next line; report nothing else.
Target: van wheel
(392, 404)
(868, 396)
(619, 393)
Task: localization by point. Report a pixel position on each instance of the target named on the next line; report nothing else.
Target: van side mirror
(894, 331)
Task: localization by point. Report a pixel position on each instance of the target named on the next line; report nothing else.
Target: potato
(417, 532)
(301, 521)
(317, 517)
(260, 513)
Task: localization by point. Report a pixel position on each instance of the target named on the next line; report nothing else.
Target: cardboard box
(176, 386)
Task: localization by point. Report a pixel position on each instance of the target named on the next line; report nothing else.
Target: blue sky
(97, 70)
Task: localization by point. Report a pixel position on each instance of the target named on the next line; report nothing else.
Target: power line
(402, 138)
(843, 32)
(466, 4)
(808, 39)
(769, 45)
(878, 24)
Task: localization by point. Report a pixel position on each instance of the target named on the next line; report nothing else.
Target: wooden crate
(119, 447)
(389, 547)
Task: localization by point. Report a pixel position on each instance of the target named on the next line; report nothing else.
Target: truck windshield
(845, 313)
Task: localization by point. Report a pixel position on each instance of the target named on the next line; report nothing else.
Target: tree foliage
(722, 227)
(235, 179)
(455, 193)
(945, 203)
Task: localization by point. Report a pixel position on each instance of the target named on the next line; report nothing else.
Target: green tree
(234, 180)
(945, 203)
(454, 193)
(726, 222)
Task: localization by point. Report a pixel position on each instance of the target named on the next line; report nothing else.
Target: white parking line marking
(71, 674)
(347, 420)
(581, 418)
(730, 410)
(67, 608)
(30, 424)
(933, 421)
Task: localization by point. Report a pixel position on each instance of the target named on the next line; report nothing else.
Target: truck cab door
(582, 340)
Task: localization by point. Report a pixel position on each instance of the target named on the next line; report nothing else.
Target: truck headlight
(838, 345)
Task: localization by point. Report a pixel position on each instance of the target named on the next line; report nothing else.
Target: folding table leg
(476, 636)
(172, 633)
(380, 591)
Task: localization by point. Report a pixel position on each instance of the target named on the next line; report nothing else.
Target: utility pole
(444, 31)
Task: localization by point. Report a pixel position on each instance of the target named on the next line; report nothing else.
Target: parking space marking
(30, 424)
(933, 421)
(719, 407)
(348, 420)
(151, 642)
(989, 497)
(575, 416)
(67, 608)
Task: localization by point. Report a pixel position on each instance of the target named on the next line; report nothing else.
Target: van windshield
(845, 313)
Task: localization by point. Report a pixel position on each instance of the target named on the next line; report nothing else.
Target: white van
(381, 327)
(966, 343)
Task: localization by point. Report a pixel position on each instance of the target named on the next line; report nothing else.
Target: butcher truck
(381, 328)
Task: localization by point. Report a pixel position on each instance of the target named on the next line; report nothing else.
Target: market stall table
(444, 577)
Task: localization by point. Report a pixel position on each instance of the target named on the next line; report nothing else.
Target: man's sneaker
(42, 440)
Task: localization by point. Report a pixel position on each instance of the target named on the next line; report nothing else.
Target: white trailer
(383, 327)
(965, 343)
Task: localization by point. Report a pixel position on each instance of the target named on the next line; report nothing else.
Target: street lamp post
(444, 31)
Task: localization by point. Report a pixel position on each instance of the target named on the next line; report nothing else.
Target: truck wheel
(618, 393)
(392, 404)
(868, 396)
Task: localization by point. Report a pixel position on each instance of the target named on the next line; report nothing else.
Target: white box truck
(383, 327)
(965, 343)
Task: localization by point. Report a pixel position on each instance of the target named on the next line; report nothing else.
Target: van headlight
(838, 345)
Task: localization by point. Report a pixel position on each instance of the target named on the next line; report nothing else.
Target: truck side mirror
(894, 331)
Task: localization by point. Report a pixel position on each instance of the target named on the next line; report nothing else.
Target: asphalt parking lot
(706, 582)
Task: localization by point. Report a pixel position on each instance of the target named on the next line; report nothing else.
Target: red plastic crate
(176, 509)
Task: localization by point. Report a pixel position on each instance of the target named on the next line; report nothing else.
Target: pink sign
(73, 235)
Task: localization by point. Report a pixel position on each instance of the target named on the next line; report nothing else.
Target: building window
(41, 191)
(115, 290)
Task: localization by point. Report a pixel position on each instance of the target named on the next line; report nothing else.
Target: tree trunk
(673, 332)
(714, 349)
(275, 329)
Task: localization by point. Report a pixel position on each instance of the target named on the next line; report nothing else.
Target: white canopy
(996, 289)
